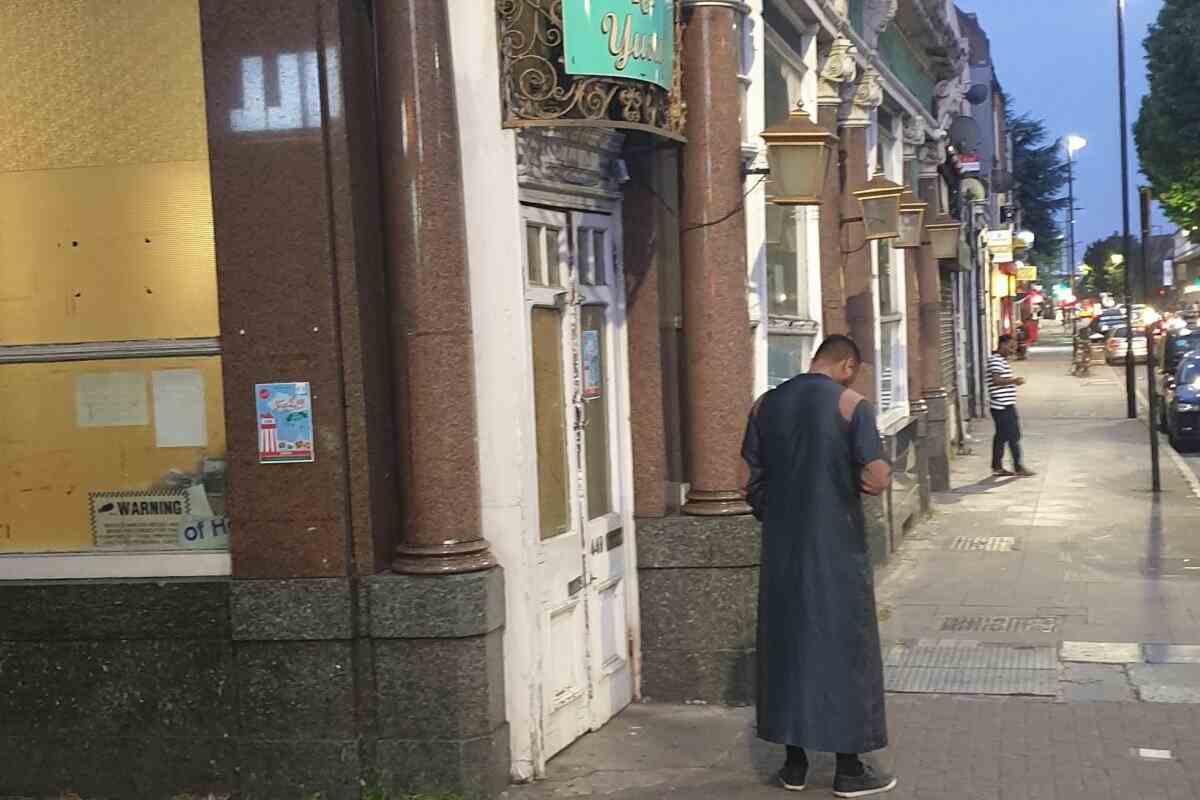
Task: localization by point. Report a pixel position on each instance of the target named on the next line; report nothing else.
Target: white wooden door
(574, 300)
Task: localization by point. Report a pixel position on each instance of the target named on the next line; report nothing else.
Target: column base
(716, 504)
(447, 558)
(691, 563)
(938, 439)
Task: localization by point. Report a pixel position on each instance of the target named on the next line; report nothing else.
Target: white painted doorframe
(587, 609)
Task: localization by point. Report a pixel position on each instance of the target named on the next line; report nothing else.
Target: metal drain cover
(991, 544)
(954, 666)
(919, 680)
(999, 624)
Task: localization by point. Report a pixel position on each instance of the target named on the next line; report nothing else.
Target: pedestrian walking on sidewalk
(1002, 392)
(813, 450)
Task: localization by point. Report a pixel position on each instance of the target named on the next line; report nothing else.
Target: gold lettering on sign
(624, 43)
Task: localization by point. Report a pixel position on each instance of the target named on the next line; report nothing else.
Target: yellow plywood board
(49, 464)
(100, 83)
(107, 253)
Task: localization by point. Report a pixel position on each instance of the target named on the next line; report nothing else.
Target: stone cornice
(832, 15)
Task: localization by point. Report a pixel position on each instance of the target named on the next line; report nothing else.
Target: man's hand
(875, 478)
(1020, 381)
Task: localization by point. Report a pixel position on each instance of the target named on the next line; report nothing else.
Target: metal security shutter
(946, 346)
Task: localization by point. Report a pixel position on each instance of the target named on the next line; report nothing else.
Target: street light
(798, 152)
(912, 216)
(880, 200)
(1074, 144)
(1130, 377)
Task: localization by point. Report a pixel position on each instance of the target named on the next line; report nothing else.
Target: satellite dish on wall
(964, 135)
(978, 94)
(1001, 181)
(972, 189)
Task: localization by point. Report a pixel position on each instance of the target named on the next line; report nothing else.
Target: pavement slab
(1041, 635)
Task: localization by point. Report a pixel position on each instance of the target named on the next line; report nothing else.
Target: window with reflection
(111, 411)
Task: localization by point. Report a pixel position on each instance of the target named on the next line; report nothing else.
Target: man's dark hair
(1004, 337)
(838, 348)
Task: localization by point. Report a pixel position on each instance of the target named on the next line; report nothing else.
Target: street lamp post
(1074, 143)
(1130, 377)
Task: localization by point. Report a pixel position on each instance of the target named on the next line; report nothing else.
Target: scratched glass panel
(533, 255)
(550, 413)
(595, 391)
(105, 203)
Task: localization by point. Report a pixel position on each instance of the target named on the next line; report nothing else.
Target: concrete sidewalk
(1041, 635)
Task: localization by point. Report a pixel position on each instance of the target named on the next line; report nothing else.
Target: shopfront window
(112, 431)
(790, 239)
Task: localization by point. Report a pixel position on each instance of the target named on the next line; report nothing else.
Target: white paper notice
(179, 419)
(110, 399)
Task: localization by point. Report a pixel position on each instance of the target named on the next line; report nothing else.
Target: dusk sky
(1057, 60)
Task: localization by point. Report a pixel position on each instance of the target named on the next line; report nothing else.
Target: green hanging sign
(620, 38)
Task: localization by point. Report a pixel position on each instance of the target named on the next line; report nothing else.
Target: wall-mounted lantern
(880, 200)
(912, 217)
(943, 237)
(798, 152)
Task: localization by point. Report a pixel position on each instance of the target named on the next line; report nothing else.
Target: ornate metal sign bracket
(537, 90)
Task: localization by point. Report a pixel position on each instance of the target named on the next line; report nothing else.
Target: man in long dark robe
(813, 450)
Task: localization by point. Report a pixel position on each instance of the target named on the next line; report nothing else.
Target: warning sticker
(138, 519)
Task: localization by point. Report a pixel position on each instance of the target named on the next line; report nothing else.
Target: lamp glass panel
(798, 170)
(881, 217)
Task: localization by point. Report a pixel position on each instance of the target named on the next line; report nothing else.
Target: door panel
(572, 285)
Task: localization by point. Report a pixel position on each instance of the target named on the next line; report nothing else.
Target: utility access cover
(990, 544)
(955, 666)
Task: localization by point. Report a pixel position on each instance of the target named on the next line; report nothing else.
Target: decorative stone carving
(932, 154)
(948, 99)
(914, 131)
(877, 16)
(868, 96)
(838, 68)
(567, 159)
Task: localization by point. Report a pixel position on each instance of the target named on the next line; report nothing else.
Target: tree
(1101, 274)
(1168, 128)
(1039, 178)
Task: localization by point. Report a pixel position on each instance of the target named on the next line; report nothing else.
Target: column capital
(868, 96)
(932, 154)
(838, 68)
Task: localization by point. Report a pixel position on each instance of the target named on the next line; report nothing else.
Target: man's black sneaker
(867, 784)
(792, 776)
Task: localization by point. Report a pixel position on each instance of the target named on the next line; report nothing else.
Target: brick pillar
(860, 301)
(719, 365)
(426, 246)
(838, 68)
(930, 290)
(651, 234)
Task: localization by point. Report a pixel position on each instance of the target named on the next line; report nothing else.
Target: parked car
(1181, 401)
(1172, 347)
(1118, 345)
(1110, 319)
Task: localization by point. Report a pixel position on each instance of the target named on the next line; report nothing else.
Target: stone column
(426, 247)
(838, 69)
(930, 156)
(860, 301)
(719, 367)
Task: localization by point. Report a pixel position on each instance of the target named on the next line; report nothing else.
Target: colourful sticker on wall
(592, 368)
(285, 423)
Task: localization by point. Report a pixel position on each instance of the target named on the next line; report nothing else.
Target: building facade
(376, 372)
